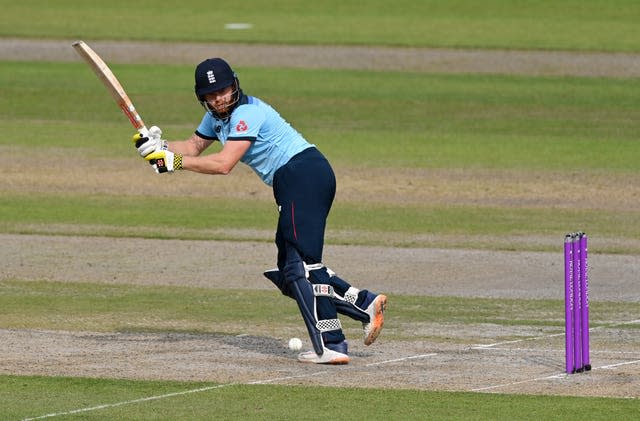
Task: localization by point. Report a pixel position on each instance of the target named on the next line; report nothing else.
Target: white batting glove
(165, 161)
(153, 142)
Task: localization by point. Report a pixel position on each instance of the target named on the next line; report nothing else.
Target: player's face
(221, 100)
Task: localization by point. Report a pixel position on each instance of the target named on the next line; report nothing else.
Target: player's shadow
(260, 344)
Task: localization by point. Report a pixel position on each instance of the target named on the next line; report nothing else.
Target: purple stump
(577, 311)
(568, 303)
(584, 301)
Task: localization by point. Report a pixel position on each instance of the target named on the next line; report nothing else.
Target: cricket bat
(113, 85)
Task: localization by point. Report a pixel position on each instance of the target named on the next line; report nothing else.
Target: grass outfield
(402, 226)
(549, 24)
(89, 399)
(435, 121)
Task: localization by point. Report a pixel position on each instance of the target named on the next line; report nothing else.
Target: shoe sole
(380, 305)
(336, 360)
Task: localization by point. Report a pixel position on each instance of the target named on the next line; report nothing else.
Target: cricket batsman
(304, 186)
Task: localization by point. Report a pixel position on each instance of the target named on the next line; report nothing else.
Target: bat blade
(112, 84)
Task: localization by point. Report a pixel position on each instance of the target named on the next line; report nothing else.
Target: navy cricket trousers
(304, 190)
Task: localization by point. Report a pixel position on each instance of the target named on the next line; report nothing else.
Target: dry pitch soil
(460, 357)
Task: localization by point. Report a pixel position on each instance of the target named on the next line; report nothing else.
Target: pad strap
(308, 268)
(329, 325)
(315, 266)
(323, 290)
(351, 295)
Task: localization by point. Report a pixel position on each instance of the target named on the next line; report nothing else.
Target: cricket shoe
(375, 310)
(333, 354)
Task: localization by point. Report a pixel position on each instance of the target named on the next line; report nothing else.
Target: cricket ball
(295, 344)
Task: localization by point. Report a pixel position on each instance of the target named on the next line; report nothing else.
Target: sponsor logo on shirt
(241, 126)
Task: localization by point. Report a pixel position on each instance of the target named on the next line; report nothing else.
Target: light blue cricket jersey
(273, 140)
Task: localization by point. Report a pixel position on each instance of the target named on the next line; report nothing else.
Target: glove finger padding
(155, 132)
(149, 143)
(138, 139)
(146, 146)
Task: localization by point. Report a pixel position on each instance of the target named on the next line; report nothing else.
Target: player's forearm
(192, 146)
(183, 147)
(216, 163)
(209, 164)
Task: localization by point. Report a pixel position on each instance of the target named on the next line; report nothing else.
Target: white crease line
(167, 395)
(558, 351)
(522, 349)
(515, 341)
(631, 322)
(610, 366)
(413, 357)
(553, 376)
(114, 405)
(301, 376)
(536, 338)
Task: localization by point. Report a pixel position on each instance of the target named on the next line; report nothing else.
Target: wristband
(177, 161)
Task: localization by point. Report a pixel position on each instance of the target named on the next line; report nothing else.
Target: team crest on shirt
(241, 126)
